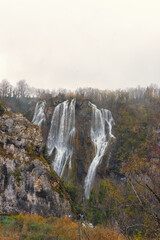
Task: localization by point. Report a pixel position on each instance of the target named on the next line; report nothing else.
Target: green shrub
(34, 227)
(39, 227)
(34, 236)
(45, 154)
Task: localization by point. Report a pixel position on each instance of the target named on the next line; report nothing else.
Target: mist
(106, 44)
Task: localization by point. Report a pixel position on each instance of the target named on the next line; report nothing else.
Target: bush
(34, 227)
(34, 236)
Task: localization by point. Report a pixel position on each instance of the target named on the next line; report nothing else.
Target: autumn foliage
(25, 226)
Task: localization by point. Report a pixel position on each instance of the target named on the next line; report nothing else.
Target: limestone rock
(27, 182)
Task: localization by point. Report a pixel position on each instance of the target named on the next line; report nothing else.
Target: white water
(39, 115)
(61, 134)
(98, 136)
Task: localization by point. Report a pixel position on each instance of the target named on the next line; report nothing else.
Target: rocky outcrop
(27, 181)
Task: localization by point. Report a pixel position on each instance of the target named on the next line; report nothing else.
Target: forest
(128, 197)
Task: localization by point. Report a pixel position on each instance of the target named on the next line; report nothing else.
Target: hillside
(105, 147)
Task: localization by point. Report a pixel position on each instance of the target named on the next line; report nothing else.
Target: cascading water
(39, 115)
(61, 134)
(98, 136)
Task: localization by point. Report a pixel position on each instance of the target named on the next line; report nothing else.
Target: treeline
(23, 90)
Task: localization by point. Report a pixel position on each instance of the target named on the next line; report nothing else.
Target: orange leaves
(65, 221)
(99, 233)
(65, 228)
(135, 164)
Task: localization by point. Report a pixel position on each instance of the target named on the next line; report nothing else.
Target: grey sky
(106, 44)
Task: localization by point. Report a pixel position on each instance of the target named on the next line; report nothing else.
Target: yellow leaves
(65, 228)
(30, 218)
(136, 164)
(112, 192)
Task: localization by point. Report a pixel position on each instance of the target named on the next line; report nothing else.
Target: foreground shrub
(34, 227)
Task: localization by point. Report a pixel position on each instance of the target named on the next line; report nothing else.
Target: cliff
(27, 182)
(83, 147)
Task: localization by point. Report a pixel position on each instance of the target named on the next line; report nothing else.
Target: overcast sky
(106, 44)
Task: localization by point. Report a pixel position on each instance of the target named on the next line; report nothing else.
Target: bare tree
(22, 89)
(5, 88)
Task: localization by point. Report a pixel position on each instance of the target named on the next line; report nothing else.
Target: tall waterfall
(98, 136)
(39, 115)
(61, 134)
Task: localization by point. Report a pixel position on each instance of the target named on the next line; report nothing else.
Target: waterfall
(39, 115)
(98, 136)
(61, 134)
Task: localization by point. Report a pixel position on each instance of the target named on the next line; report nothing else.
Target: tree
(22, 89)
(143, 173)
(5, 88)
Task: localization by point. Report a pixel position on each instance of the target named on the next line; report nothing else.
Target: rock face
(27, 182)
(83, 148)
